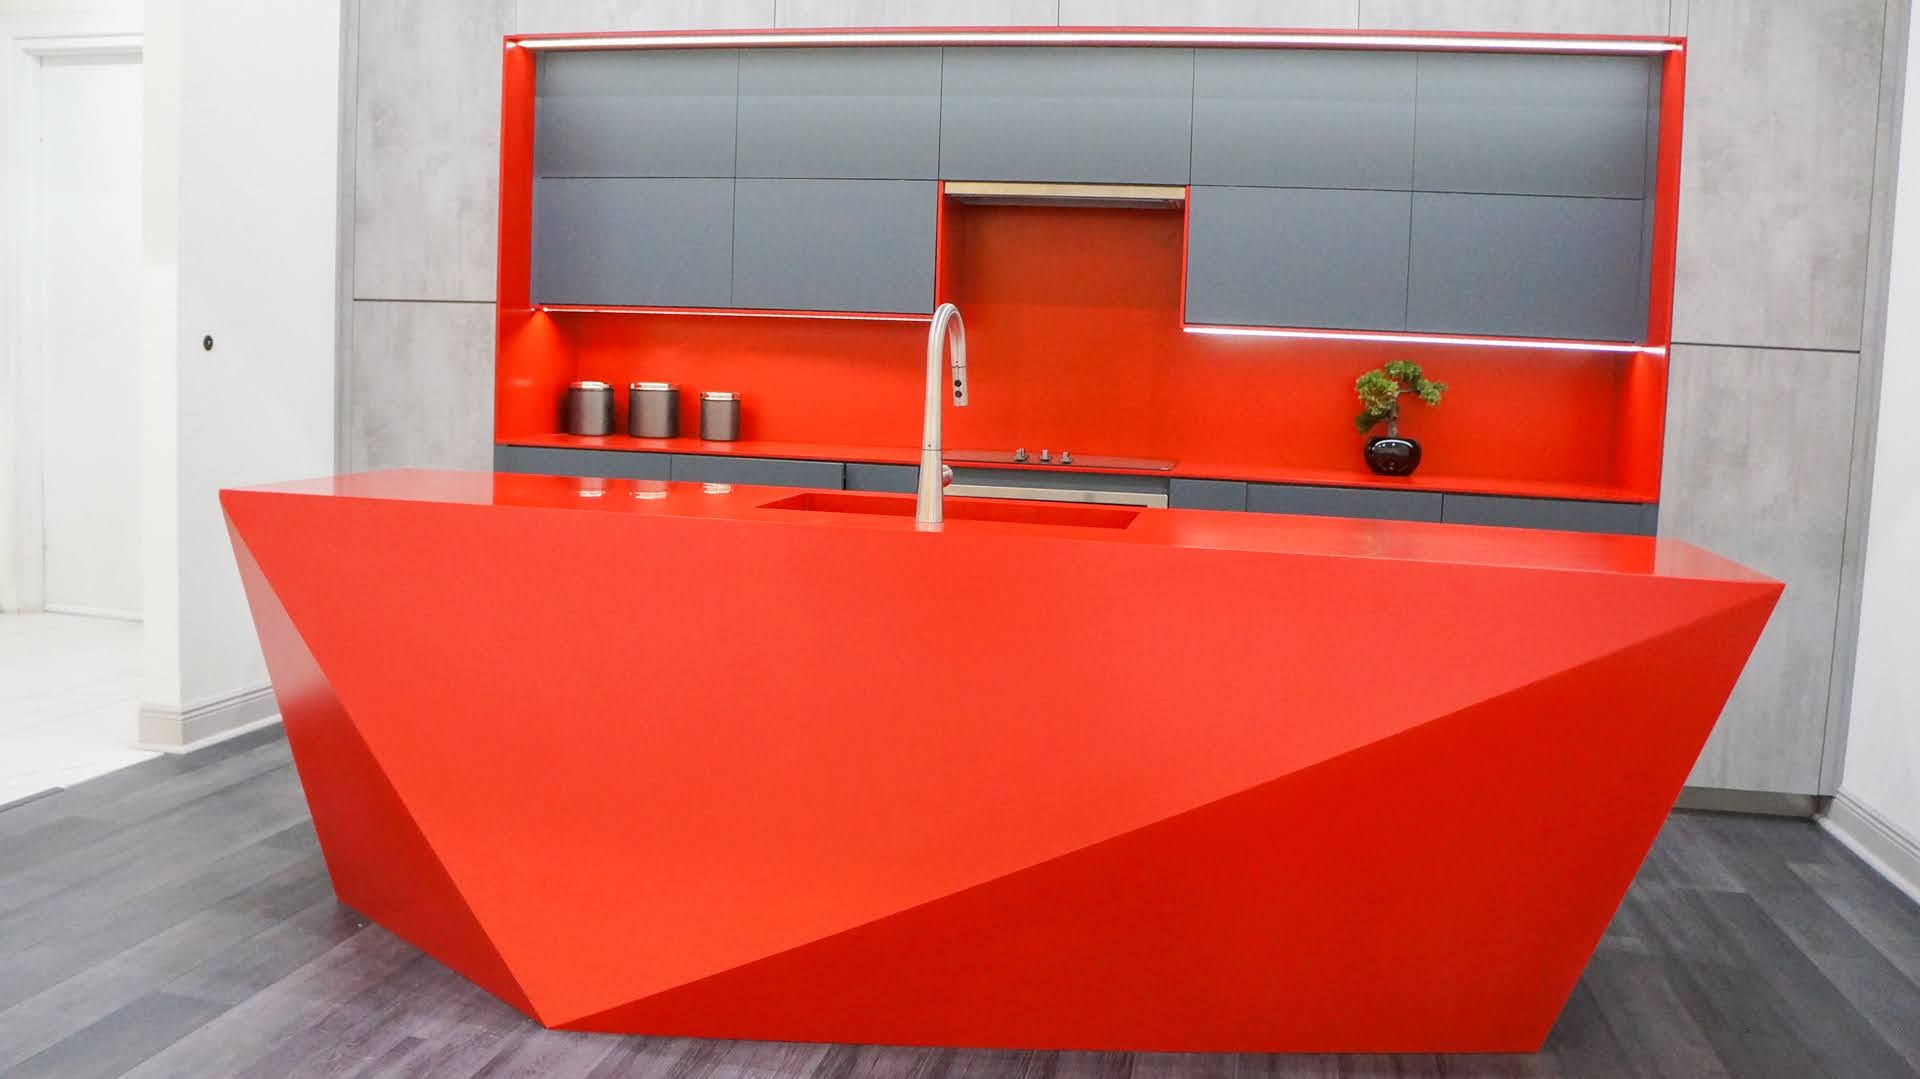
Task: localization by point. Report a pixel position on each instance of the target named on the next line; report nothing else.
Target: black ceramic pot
(1393, 456)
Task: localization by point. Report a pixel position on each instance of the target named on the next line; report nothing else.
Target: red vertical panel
(1640, 433)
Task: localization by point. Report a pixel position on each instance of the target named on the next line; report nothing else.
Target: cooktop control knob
(1066, 458)
(1045, 457)
(1020, 456)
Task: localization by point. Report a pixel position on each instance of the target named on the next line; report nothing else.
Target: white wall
(1878, 805)
(242, 167)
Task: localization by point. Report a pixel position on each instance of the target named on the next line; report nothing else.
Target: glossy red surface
(1074, 323)
(664, 758)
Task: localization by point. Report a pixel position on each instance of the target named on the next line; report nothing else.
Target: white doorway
(85, 305)
(70, 340)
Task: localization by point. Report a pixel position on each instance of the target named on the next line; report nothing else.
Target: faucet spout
(947, 330)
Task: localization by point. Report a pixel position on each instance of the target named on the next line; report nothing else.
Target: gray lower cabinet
(1564, 515)
(1206, 495)
(1344, 502)
(633, 242)
(834, 245)
(1071, 115)
(1264, 256)
(555, 461)
(898, 479)
(765, 471)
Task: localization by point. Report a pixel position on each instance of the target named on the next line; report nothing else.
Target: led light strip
(1429, 339)
(838, 316)
(1477, 43)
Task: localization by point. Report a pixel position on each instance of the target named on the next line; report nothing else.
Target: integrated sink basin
(961, 509)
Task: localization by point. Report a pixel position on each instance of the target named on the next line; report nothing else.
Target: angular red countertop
(1170, 528)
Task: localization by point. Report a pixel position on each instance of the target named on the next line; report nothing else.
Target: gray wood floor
(174, 919)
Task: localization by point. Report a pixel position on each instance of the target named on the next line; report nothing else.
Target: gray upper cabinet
(834, 245)
(1533, 125)
(1527, 265)
(635, 242)
(1261, 256)
(1303, 118)
(646, 112)
(849, 113)
(1071, 115)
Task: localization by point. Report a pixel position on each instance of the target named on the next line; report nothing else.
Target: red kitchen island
(746, 762)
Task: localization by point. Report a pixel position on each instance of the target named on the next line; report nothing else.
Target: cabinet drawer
(645, 112)
(767, 471)
(851, 113)
(1207, 495)
(633, 242)
(1297, 257)
(557, 461)
(898, 479)
(834, 245)
(1344, 502)
(1071, 115)
(1563, 515)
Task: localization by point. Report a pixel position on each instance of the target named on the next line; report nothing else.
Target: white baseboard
(1892, 853)
(176, 730)
(93, 612)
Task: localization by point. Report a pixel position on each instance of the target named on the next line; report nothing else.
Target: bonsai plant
(1380, 391)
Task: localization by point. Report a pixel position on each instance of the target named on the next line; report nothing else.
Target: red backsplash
(1074, 340)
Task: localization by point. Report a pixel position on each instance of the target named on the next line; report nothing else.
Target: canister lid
(719, 395)
(652, 386)
(589, 384)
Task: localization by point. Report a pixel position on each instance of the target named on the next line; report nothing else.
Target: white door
(88, 295)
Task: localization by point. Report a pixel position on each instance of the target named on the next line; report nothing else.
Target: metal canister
(719, 416)
(589, 408)
(653, 410)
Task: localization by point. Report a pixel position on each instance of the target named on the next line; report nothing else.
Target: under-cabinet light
(1450, 42)
(839, 316)
(1429, 339)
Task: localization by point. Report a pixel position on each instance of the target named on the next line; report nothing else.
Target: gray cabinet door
(1535, 125)
(1344, 502)
(834, 245)
(557, 461)
(899, 479)
(633, 242)
(1561, 515)
(1527, 265)
(1073, 115)
(1303, 118)
(766, 471)
(850, 113)
(641, 112)
(1207, 495)
(1261, 256)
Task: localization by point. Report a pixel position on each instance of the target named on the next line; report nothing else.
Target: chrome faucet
(934, 476)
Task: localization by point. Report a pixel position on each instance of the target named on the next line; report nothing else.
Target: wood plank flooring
(174, 919)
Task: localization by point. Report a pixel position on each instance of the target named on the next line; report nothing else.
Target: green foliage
(1381, 388)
